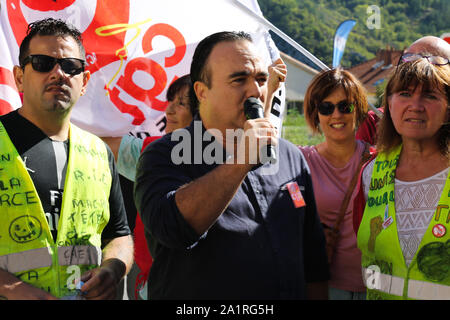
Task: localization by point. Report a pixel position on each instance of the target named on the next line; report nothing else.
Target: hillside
(313, 23)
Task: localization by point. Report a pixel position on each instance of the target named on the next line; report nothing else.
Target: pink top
(330, 185)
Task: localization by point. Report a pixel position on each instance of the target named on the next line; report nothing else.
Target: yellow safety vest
(384, 269)
(27, 248)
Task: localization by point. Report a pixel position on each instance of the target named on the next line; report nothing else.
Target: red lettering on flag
(47, 5)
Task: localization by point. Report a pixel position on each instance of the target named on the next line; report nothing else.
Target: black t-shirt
(127, 192)
(46, 162)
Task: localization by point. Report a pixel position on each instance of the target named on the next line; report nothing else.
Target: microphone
(253, 109)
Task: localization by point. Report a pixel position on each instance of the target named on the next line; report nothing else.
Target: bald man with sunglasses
(431, 46)
(434, 49)
(63, 227)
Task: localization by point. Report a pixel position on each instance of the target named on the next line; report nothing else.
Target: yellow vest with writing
(384, 269)
(27, 248)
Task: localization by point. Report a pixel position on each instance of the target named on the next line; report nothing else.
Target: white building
(299, 75)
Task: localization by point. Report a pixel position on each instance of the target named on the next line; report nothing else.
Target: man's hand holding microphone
(261, 136)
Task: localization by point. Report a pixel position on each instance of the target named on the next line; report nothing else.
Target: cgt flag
(134, 50)
(340, 39)
(9, 98)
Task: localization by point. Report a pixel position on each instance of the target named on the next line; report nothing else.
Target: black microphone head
(253, 108)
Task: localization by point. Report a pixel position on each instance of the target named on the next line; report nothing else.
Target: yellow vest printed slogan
(384, 269)
(27, 248)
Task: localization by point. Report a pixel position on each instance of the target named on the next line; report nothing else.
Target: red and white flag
(9, 97)
(134, 50)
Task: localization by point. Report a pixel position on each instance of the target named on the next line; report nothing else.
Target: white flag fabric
(9, 97)
(134, 50)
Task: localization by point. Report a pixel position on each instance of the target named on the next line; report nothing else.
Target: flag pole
(292, 42)
(281, 34)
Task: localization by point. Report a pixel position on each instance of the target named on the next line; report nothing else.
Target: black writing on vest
(89, 204)
(376, 184)
(18, 199)
(95, 217)
(93, 177)
(92, 152)
(381, 200)
(9, 184)
(77, 255)
(5, 157)
(75, 241)
(28, 276)
(78, 175)
(382, 165)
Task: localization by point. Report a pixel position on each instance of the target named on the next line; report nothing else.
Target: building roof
(375, 71)
(299, 64)
(298, 77)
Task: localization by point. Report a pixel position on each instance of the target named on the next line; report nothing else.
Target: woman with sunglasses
(335, 104)
(404, 234)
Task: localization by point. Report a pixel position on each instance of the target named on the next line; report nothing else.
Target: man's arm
(121, 248)
(101, 283)
(203, 200)
(176, 207)
(12, 288)
(277, 74)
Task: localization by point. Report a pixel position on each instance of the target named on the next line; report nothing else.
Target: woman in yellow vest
(404, 235)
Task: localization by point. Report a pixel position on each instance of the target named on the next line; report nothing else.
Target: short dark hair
(178, 85)
(323, 85)
(50, 27)
(199, 70)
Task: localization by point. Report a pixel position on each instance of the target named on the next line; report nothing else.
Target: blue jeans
(338, 294)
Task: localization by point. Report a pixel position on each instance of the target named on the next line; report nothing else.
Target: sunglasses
(43, 63)
(327, 108)
(410, 57)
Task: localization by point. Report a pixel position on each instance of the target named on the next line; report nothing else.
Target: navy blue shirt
(261, 246)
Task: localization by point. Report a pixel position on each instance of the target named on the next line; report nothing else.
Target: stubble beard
(59, 103)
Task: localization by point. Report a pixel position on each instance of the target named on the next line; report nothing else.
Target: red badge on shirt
(439, 231)
(296, 195)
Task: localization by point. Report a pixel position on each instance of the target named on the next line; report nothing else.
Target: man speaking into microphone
(230, 230)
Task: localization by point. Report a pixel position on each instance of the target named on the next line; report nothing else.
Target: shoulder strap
(365, 157)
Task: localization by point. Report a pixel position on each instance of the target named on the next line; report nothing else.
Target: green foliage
(312, 24)
(297, 131)
(379, 92)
